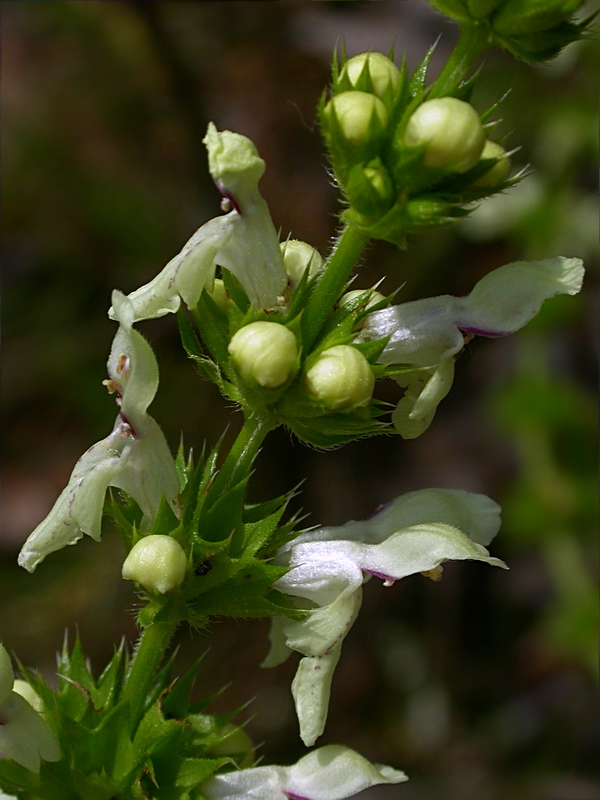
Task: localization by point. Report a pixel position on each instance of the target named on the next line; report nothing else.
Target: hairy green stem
(148, 655)
(346, 253)
(472, 41)
(243, 451)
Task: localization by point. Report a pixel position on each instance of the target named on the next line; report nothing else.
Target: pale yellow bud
(236, 743)
(451, 131)
(264, 352)
(361, 116)
(384, 74)
(341, 377)
(497, 173)
(219, 294)
(297, 258)
(349, 297)
(157, 562)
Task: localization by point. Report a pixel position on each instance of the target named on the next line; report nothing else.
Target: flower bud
(297, 258)
(451, 132)
(264, 352)
(235, 742)
(341, 377)
(157, 562)
(349, 297)
(383, 74)
(497, 173)
(361, 117)
(369, 188)
(218, 294)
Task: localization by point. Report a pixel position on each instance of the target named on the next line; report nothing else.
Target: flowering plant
(272, 325)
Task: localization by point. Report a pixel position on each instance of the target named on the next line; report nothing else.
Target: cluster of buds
(405, 162)
(534, 30)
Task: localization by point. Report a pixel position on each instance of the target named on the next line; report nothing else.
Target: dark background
(481, 686)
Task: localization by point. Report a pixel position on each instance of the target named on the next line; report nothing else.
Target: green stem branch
(243, 451)
(148, 655)
(337, 271)
(472, 41)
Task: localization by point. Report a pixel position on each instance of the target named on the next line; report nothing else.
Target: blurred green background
(481, 686)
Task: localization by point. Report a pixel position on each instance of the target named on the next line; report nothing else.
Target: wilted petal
(330, 773)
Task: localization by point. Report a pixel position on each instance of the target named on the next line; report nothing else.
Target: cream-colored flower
(134, 457)
(330, 773)
(429, 333)
(244, 240)
(417, 532)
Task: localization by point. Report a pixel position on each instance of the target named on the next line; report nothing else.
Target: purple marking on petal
(293, 796)
(487, 334)
(378, 510)
(129, 425)
(228, 196)
(381, 575)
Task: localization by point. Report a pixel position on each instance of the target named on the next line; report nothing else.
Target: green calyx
(227, 543)
(408, 157)
(532, 30)
(108, 751)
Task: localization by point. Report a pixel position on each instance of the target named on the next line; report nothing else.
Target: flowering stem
(242, 453)
(146, 660)
(472, 41)
(337, 271)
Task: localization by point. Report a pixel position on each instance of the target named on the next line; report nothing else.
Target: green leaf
(14, 777)
(206, 366)
(111, 681)
(194, 771)
(416, 84)
(372, 350)
(235, 290)
(176, 701)
(333, 430)
(257, 534)
(214, 329)
(218, 521)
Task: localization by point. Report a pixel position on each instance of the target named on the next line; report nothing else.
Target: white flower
(244, 241)
(330, 773)
(24, 735)
(135, 456)
(415, 533)
(429, 333)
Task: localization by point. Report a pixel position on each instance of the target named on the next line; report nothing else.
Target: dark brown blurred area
(480, 686)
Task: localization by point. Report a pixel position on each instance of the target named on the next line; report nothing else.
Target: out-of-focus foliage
(104, 109)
